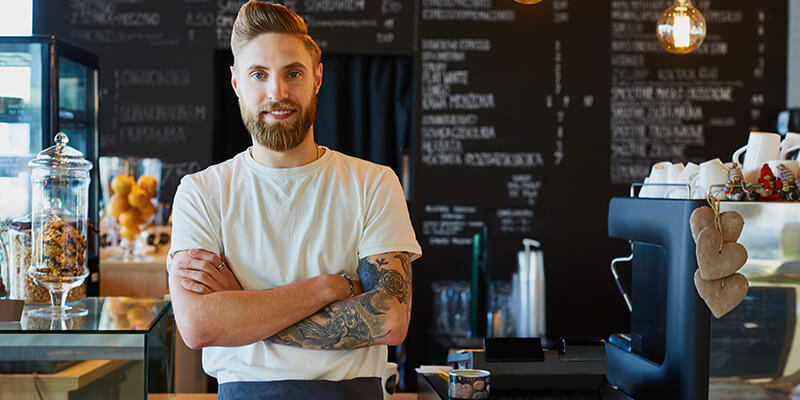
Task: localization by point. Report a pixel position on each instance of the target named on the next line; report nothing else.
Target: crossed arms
(317, 313)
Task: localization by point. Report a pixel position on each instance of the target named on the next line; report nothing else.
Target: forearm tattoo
(359, 321)
(343, 325)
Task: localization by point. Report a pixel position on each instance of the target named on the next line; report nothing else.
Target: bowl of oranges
(130, 193)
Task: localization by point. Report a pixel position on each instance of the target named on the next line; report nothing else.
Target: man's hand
(199, 273)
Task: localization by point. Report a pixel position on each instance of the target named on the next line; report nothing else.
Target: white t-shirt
(281, 225)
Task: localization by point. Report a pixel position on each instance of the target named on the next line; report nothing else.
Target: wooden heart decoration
(721, 295)
(732, 223)
(716, 264)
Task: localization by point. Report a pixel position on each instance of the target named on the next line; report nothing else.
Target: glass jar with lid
(60, 203)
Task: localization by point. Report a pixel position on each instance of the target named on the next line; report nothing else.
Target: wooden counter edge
(72, 378)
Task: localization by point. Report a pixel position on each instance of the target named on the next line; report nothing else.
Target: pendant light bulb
(681, 28)
(528, 1)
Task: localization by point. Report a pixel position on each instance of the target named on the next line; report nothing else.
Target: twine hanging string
(713, 202)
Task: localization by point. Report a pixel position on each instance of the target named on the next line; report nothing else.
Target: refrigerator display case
(46, 86)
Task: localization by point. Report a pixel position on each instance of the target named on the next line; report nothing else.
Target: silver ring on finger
(221, 266)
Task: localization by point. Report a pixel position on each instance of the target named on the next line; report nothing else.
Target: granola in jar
(63, 257)
(22, 285)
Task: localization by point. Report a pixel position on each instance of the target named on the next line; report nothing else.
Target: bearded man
(290, 263)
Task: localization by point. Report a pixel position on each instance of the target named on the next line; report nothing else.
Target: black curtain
(364, 109)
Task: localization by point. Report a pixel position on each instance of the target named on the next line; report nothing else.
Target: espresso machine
(666, 353)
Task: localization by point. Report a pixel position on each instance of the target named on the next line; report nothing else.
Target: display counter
(123, 349)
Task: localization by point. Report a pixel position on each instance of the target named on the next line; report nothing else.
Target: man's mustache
(278, 105)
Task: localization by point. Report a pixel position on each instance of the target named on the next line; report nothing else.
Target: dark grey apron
(353, 389)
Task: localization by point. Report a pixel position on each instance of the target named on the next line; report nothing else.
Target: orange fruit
(129, 232)
(122, 184)
(119, 324)
(139, 314)
(117, 204)
(147, 211)
(130, 218)
(149, 184)
(138, 197)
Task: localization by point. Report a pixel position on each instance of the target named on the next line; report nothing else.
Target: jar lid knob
(62, 139)
(61, 156)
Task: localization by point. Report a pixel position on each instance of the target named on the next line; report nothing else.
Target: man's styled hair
(256, 17)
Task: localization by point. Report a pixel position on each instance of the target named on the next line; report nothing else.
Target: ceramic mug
(789, 146)
(689, 172)
(674, 173)
(389, 379)
(711, 172)
(675, 176)
(761, 147)
(658, 175)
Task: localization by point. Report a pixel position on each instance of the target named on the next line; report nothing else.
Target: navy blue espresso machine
(666, 353)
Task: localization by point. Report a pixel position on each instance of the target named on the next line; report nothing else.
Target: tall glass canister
(60, 202)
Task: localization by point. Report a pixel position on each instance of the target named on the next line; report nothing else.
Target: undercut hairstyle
(257, 17)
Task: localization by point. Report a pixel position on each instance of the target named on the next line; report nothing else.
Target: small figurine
(790, 190)
(737, 188)
(770, 187)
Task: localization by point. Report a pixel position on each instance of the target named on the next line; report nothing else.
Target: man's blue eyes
(290, 75)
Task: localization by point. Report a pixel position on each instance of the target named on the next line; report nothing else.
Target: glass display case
(755, 349)
(46, 86)
(122, 349)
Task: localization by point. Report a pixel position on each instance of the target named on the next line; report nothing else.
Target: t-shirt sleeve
(195, 225)
(387, 225)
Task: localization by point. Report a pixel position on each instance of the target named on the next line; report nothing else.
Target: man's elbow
(398, 328)
(194, 341)
(196, 332)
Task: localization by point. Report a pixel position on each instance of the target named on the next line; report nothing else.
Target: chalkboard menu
(481, 157)
(532, 116)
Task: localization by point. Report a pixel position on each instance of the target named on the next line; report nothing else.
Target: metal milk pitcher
(531, 294)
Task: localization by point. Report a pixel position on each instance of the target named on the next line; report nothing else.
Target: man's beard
(279, 136)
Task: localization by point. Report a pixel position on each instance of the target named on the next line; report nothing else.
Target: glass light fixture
(528, 1)
(681, 28)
